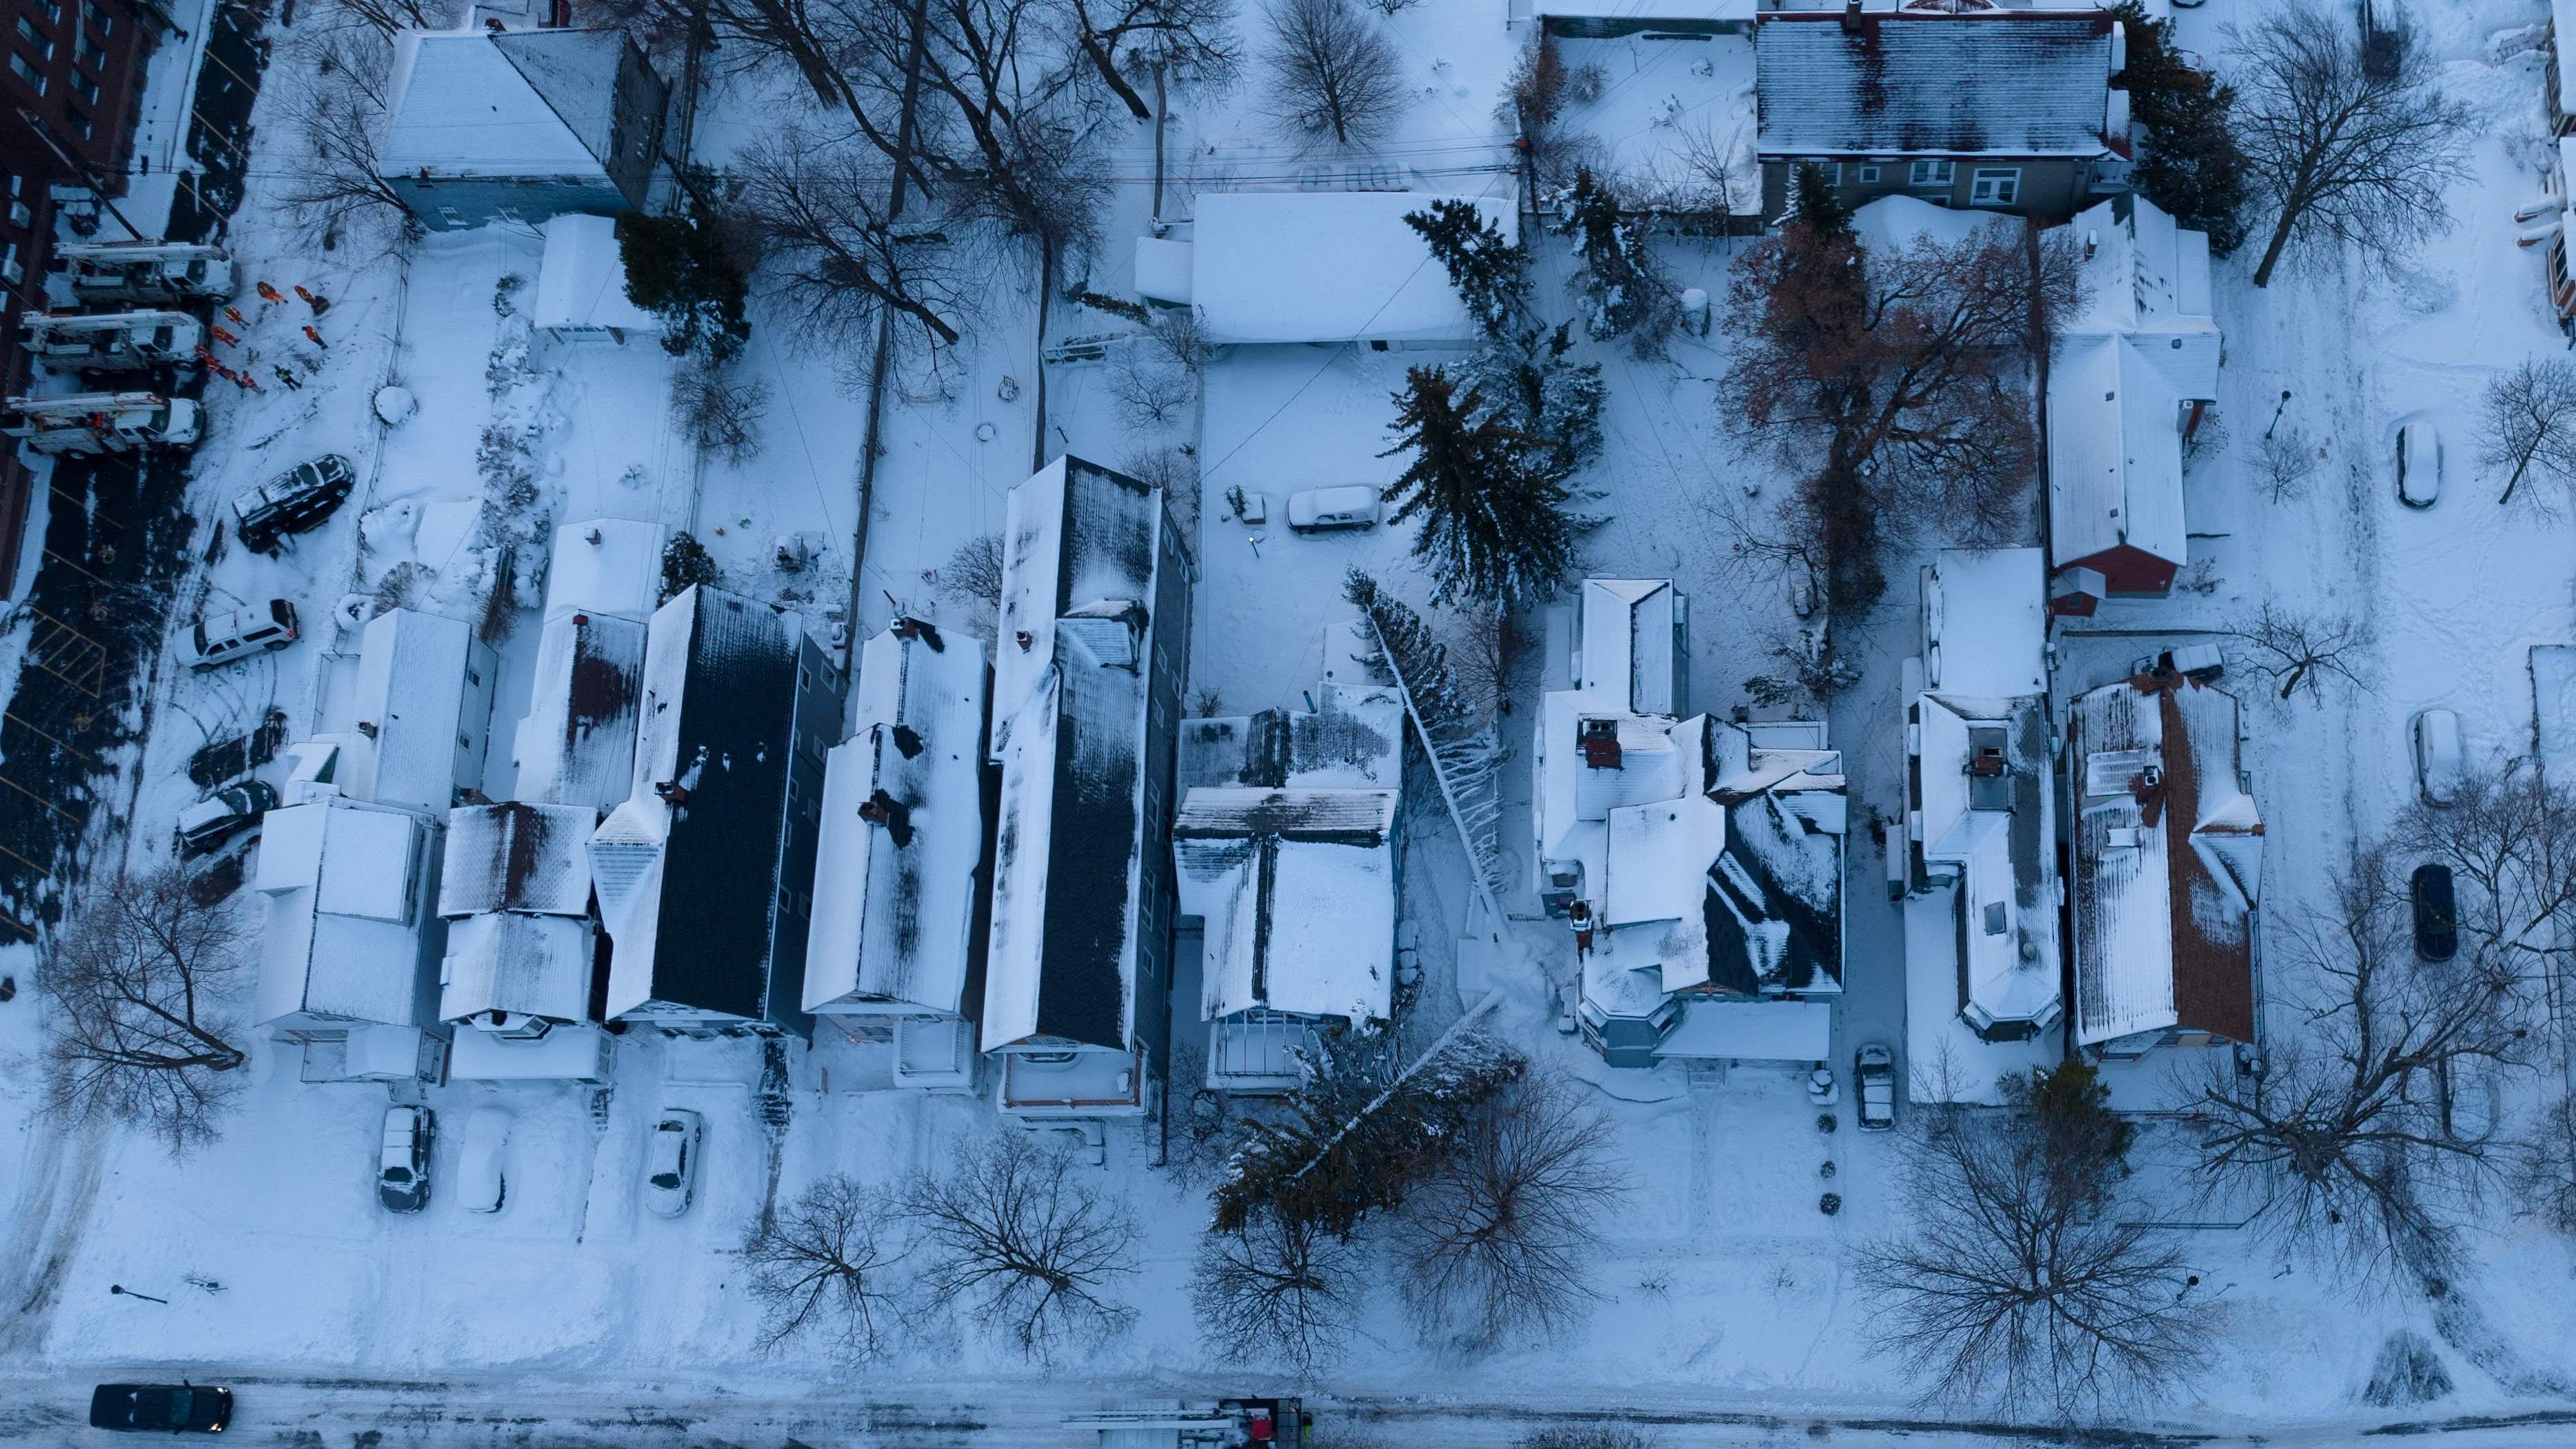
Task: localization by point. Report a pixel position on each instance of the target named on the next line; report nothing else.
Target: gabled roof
(1985, 627)
(2114, 452)
(893, 922)
(517, 856)
(1325, 266)
(1297, 887)
(344, 933)
(1998, 834)
(413, 695)
(520, 103)
(2167, 862)
(1630, 654)
(577, 745)
(1941, 85)
(518, 964)
(2143, 272)
(1081, 546)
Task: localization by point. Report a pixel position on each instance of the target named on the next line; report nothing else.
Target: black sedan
(2437, 915)
(180, 1408)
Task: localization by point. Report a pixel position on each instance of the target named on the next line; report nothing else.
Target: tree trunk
(2272, 252)
(2520, 466)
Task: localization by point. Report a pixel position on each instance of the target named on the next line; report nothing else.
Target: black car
(292, 502)
(2437, 916)
(180, 1408)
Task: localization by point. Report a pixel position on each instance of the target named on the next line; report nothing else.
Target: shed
(581, 282)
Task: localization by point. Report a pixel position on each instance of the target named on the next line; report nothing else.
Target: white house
(349, 944)
(424, 700)
(521, 959)
(896, 950)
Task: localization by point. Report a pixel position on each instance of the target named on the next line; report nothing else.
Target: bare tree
(1276, 1287)
(144, 1032)
(1188, 41)
(2509, 838)
(2285, 460)
(2345, 135)
(821, 1266)
(341, 116)
(2027, 1279)
(972, 577)
(388, 17)
(720, 413)
(2542, 1166)
(1151, 391)
(1010, 1230)
(2306, 651)
(2351, 1142)
(2529, 421)
(1493, 1243)
(1337, 77)
(837, 256)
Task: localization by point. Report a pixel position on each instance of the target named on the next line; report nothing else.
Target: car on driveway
(180, 1408)
(2419, 464)
(402, 1163)
(1874, 1077)
(1315, 510)
(2437, 913)
(231, 637)
(482, 1175)
(294, 501)
(220, 816)
(2439, 756)
(671, 1162)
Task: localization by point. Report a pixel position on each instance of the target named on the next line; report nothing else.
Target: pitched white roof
(1325, 266)
(523, 965)
(577, 745)
(2114, 452)
(344, 933)
(463, 105)
(420, 676)
(1985, 626)
(581, 280)
(1630, 656)
(1297, 887)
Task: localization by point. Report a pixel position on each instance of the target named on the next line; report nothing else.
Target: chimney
(1851, 17)
(1600, 741)
(672, 792)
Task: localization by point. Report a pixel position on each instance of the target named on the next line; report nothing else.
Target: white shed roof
(1631, 659)
(581, 281)
(607, 566)
(1325, 266)
(413, 692)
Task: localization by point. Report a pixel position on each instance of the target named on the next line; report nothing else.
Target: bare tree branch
(1276, 1288)
(2306, 651)
(1011, 1231)
(820, 1268)
(1337, 77)
(2529, 421)
(144, 1032)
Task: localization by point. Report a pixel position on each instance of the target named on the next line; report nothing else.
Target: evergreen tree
(1524, 369)
(1490, 526)
(1416, 654)
(678, 270)
(1818, 206)
(1491, 274)
(1622, 294)
(685, 562)
(2190, 164)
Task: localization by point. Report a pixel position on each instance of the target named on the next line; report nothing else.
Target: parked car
(482, 1179)
(1353, 505)
(180, 1408)
(2439, 758)
(217, 818)
(402, 1166)
(221, 639)
(671, 1162)
(2419, 464)
(2437, 914)
(293, 502)
(1874, 1070)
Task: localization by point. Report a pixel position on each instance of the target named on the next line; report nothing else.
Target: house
(1320, 267)
(1976, 866)
(1664, 19)
(1286, 845)
(705, 871)
(2003, 109)
(895, 953)
(577, 744)
(581, 283)
(518, 978)
(1094, 640)
(2167, 867)
(2129, 379)
(423, 704)
(607, 566)
(1698, 863)
(490, 125)
(349, 944)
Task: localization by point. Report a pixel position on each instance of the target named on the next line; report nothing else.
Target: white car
(2419, 465)
(402, 1162)
(2439, 757)
(1353, 505)
(482, 1177)
(1874, 1072)
(221, 639)
(671, 1162)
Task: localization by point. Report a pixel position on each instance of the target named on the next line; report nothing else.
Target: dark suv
(180, 1408)
(2437, 914)
(292, 502)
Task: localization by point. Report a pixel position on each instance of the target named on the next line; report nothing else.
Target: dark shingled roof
(2002, 85)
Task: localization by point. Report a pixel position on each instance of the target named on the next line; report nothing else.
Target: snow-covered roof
(894, 920)
(577, 745)
(1694, 11)
(2167, 861)
(581, 280)
(1297, 887)
(692, 858)
(1081, 551)
(607, 566)
(519, 964)
(2143, 272)
(1897, 84)
(1325, 266)
(1985, 626)
(1353, 740)
(1163, 270)
(520, 103)
(1760, 1031)
(1632, 646)
(2114, 452)
(419, 677)
(1988, 820)
(517, 856)
(345, 930)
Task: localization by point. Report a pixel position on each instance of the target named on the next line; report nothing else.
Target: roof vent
(672, 792)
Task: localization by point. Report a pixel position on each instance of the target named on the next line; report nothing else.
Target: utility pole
(77, 167)
(1159, 57)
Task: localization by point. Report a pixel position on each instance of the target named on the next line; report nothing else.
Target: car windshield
(397, 1176)
(667, 1181)
(181, 1401)
(307, 476)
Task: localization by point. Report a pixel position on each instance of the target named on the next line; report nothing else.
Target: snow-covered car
(228, 638)
(180, 1408)
(292, 502)
(1317, 509)
(482, 1176)
(671, 1162)
(2439, 758)
(402, 1162)
(1874, 1073)
(212, 821)
(2419, 464)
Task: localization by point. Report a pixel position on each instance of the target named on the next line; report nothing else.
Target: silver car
(671, 1162)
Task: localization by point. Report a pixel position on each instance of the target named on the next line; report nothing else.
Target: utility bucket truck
(111, 341)
(101, 422)
(1222, 1424)
(144, 271)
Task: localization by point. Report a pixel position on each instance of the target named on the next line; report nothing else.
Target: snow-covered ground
(1722, 1290)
